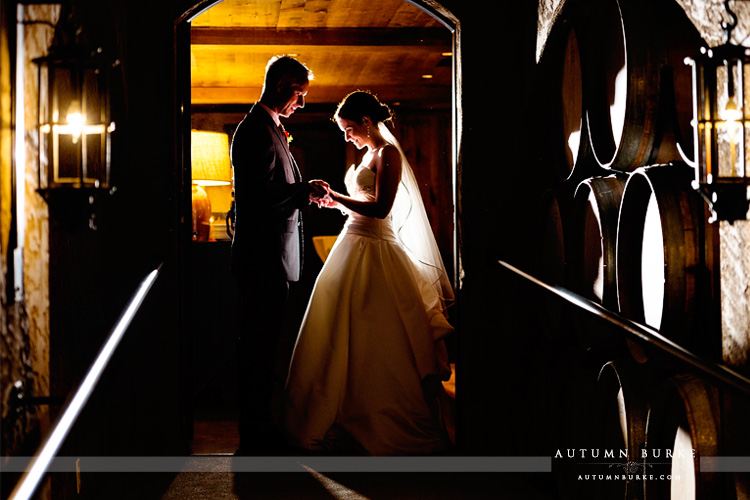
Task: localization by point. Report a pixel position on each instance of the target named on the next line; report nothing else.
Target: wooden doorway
(404, 51)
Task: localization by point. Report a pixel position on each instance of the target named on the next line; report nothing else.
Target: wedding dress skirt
(366, 354)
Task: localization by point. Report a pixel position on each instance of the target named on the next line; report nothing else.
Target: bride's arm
(387, 178)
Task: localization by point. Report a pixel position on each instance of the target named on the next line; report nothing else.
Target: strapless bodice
(360, 183)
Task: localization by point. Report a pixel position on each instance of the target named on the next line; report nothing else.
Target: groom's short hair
(287, 70)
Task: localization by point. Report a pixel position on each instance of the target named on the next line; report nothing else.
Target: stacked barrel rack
(622, 226)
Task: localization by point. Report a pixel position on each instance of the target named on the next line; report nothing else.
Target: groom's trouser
(262, 299)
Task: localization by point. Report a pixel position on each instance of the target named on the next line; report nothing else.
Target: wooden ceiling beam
(316, 49)
(415, 37)
(325, 94)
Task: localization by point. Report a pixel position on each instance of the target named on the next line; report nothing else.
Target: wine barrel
(597, 205)
(622, 409)
(660, 258)
(555, 213)
(683, 417)
(553, 253)
(560, 102)
(593, 263)
(637, 87)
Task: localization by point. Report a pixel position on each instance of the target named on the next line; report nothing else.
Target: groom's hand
(319, 189)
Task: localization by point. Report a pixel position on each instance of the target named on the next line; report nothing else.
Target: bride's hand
(326, 202)
(329, 200)
(319, 198)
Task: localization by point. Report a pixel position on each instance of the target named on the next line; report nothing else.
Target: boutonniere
(289, 137)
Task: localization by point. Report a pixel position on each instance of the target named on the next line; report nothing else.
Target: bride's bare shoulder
(389, 155)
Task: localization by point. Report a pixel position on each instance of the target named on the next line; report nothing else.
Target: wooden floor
(212, 437)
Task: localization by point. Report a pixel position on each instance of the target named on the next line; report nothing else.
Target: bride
(366, 368)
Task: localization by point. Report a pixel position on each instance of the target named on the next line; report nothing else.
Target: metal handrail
(644, 334)
(52, 443)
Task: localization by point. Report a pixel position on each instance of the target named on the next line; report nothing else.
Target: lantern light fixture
(721, 126)
(75, 125)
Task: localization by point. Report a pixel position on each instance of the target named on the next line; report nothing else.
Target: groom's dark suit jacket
(269, 193)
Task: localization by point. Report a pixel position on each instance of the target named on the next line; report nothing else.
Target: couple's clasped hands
(321, 194)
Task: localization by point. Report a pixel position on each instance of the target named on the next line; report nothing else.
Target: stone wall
(38, 38)
(24, 318)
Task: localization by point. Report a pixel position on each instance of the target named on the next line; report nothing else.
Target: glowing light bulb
(75, 120)
(731, 113)
(733, 117)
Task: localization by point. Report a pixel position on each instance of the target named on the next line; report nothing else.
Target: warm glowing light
(75, 130)
(210, 158)
(731, 113)
(426, 77)
(76, 122)
(732, 125)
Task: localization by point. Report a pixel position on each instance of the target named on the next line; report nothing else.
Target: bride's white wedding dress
(367, 347)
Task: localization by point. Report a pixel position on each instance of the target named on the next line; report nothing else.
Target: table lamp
(210, 166)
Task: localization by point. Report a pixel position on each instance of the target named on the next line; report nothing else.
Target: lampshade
(210, 166)
(210, 158)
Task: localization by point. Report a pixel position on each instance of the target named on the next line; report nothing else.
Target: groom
(267, 249)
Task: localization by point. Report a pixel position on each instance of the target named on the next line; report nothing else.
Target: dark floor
(349, 486)
(309, 484)
(217, 438)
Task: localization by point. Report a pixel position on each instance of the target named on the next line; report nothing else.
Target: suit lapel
(281, 138)
(280, 135)
(285, 144)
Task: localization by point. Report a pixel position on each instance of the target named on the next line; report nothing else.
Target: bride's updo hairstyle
(361, 103)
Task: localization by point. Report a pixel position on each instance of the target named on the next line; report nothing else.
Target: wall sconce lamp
(721, 110)
(210, 166)
(74, 113)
